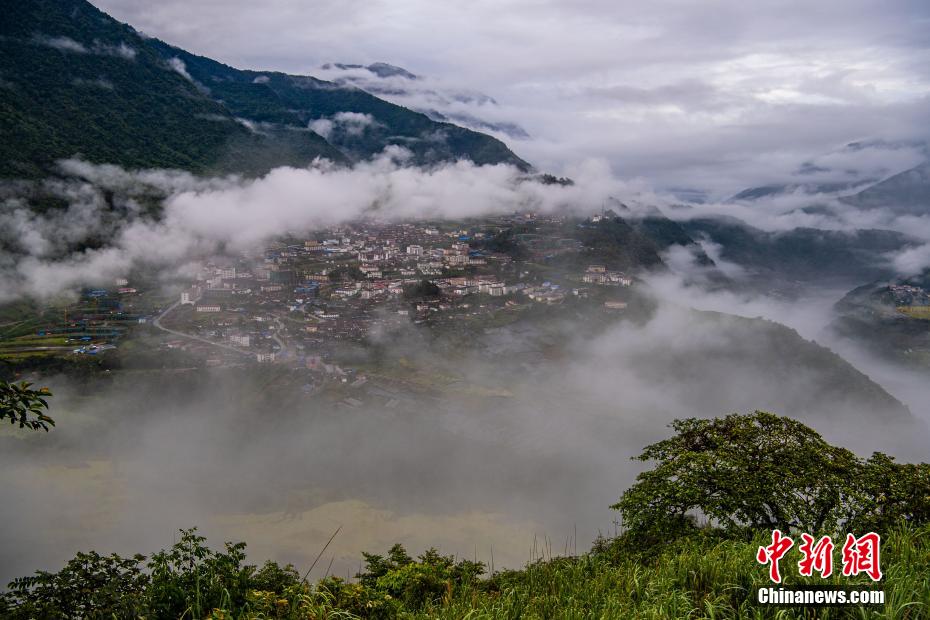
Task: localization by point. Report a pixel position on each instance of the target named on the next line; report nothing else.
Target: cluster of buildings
(598, 274)
(307, 295)
(909, 295)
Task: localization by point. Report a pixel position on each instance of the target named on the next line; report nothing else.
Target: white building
(243, 340)
(191, 296)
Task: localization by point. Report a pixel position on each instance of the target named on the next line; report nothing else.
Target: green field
(916, 312)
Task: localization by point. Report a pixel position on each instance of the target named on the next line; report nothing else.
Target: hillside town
(300, 298)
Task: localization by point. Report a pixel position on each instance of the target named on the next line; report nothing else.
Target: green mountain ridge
(802, 254)
(76, 82)
(905, 193)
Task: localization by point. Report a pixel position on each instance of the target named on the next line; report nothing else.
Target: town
(302, 299)
(312, 294)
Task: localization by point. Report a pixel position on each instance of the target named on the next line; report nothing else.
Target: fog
(110, 226)
(198, 217)
(526, 437)
(523, 435)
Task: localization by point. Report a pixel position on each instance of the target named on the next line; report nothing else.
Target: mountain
(77, 82)
(357, 122)
(906, 193)
(890, 318)
(851, 169)
(666, 233)
(74, 81)
(802, 254)
(381, 69)
(768, 191)
(468, 108)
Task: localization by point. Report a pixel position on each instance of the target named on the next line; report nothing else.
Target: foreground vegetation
(695, 577)
(747, 473)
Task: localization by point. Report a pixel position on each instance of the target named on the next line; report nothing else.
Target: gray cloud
(201, 215)
(681, 93)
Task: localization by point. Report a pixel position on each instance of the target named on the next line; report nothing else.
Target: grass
(701, 577)
(692, 580)
(34, 341)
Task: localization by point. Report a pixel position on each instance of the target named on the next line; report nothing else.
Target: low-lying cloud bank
(112, 207)
(117, 220)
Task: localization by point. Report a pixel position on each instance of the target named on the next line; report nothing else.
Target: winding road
(157, 323)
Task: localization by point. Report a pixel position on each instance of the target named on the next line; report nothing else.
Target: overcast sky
(710, 94)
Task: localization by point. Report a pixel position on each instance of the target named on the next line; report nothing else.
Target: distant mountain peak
(381, 69)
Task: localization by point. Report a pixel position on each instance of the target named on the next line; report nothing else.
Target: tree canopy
(758, 471)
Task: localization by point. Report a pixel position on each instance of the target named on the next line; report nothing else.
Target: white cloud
(202, 215)
(352, 123)
(65, 44)
(178, 65)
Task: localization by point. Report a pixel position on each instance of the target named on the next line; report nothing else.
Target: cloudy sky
(717, 95)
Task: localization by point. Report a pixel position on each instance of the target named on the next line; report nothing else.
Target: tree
(419, 582)
(89, 586)
(889, 493)
(24, 405)
(192, 577)
(424, 289)
(743, 473)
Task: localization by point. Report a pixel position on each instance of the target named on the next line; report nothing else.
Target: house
(243, 340)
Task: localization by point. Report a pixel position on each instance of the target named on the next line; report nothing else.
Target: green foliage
(89, 586)
(346, 272)
(358, 599)
(25, 406)
(615, 243)
(504, 242)
(192, 578)
(187, 580)
(747, 473)
(424, 289)
(274, 578)
(801, 254)
(699, 576)
(427, 581)
(890, 492)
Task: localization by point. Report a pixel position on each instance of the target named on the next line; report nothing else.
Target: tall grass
(700, 577)
(693, 579)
